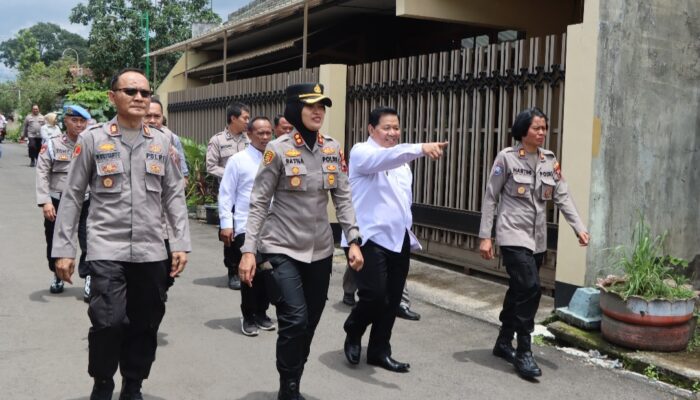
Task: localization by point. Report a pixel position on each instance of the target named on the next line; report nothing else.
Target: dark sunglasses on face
(132, 92)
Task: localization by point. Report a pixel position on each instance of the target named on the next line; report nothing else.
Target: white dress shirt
(236, 186)
(380, 182)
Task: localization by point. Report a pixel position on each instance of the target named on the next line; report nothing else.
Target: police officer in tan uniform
(223, 146)
(522, 180)
(133, 177)
(51, 174)
(32, 131)
(293, 233)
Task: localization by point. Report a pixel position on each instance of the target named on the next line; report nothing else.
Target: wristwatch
(357, 241)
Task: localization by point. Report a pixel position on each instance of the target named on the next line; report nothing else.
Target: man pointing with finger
(134, 178)
(380, 181)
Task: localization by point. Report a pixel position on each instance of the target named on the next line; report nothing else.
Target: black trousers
(33, 147)
(231, 259)
(83, 270)
(254, 300)
(524, 291)
(126, 308)
(299, 292)
(380, 284)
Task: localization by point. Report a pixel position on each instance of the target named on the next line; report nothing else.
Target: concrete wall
(648, 101)
(535, 17)
(175, 80)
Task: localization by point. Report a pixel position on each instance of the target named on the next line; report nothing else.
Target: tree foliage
(44, 85)
(117, 40)
(8, 97)
(94, 100)
(49, 40)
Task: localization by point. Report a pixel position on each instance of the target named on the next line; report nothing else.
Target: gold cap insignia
(317, 89)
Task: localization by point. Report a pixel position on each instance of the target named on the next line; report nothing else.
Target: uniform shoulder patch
(76, 151)
(268, 156)
(498, 168)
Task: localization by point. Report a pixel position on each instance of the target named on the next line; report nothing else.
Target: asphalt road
(203, 355)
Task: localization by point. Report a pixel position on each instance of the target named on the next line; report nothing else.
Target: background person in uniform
(32, 131)
(381, 182)
(132, 178)
(282, 126)
(234, 194)
(222, 146)
(155, 118)
(293, 234)
(49, 129)
(52, 167)
(522, 180)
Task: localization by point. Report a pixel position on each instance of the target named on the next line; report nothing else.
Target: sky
(20, 14)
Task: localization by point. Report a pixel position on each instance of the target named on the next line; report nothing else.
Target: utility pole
(145, 29)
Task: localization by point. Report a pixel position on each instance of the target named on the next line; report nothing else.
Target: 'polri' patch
(498, 169)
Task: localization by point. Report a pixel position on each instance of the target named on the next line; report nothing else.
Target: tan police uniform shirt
(296, 223)
(131, 185)
(52, 168)
(520, 196)
(221, 147)
(32, 125)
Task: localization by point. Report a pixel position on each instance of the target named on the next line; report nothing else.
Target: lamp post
(77, 60)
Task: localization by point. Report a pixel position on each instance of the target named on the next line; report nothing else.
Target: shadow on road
(145, 397)
(484, 358)
(335, 360)
(215, 281)
(341, 307)
(269, 396)
(41, 295)
(231, 324)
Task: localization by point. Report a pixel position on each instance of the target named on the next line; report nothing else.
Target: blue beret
(77, 111)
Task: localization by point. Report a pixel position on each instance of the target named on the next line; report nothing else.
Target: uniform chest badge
(328, 150)
(292, 153)
(107, 182)
(331, 179)
(109, 168)
(548, 193)
(154, 148)
(62, 157)
(295, 170)
(268, 156)
(295, 181)
(332, 168)
(106, 147)
(78, 148)
(154, 168)
(521, 189)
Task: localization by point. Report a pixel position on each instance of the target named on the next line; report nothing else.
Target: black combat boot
(289, 389)
(102, 389)
(504, 346)
(131, 389)
(524, 362)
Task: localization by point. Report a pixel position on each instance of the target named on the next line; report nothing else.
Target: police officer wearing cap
(52, 166)
(523, 178)
(221, 147)
(133, 178)
(293, 233)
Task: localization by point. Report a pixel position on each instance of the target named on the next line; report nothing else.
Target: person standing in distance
(132, 179)
(293, 233)
(282, 126)
(223, 146)
(381, 183)
(32, 131)
(523, 178)
(52, 167)
(234, 194)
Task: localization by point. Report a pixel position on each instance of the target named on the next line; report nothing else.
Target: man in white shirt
(381, 180)
(234, 193)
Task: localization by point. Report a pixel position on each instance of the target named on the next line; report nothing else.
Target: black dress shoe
(131, 389)
(526, 366)
(349, 299)
(234, 282)
(389, 364)
(405, 313)
(102, 389)
(505, 351)
(353, 349)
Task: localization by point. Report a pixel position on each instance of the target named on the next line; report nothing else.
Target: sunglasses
(132, 92)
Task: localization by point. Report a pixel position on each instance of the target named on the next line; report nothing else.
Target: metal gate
(468, 97)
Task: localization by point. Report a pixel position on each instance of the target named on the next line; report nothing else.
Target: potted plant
(650, 305)
(200, 186)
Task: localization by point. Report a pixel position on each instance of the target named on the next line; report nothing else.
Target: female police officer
(293, 233)
(524, 177)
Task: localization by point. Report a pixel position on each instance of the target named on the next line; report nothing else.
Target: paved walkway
(203, 355)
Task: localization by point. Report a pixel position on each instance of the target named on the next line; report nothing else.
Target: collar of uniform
(114, 129)
(234, 136)
(320, 139)
(298, 140)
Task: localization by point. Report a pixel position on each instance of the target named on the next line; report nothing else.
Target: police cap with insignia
(75, 111)
(308, 93)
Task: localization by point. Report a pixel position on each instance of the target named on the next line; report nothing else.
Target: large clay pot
(636, 323)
